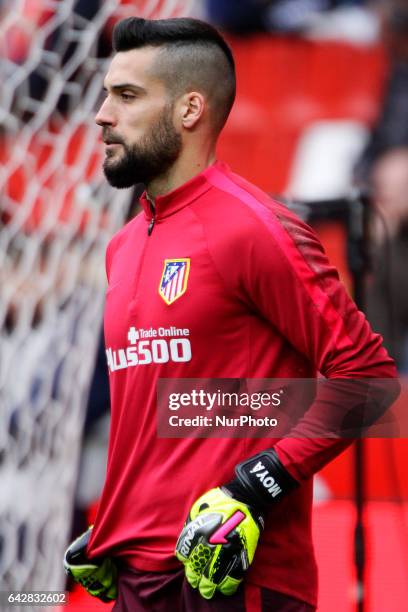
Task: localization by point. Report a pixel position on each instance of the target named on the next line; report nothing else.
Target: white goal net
(56, 215)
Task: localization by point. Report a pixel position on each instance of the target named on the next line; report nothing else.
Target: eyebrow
(121, 86)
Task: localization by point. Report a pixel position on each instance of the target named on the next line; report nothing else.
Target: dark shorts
(140, 591)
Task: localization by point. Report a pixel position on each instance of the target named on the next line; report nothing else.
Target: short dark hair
(195, 55)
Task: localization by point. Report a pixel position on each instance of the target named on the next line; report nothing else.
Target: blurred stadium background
(322, 110)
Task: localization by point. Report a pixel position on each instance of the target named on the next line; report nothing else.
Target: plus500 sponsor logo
(152, 350)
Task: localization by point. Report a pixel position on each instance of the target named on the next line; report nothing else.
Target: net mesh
(56, 216)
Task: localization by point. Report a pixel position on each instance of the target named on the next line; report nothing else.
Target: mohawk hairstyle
(195, 57)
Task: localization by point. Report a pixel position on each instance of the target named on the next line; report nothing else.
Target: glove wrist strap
(261, 480)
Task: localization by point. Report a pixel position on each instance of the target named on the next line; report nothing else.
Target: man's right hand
(97, 576)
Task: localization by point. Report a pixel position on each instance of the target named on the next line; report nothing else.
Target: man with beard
(212, 280)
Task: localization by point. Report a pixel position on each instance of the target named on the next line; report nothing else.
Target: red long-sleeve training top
(250, 294)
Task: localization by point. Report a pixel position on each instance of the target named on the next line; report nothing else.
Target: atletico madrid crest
(174, 279)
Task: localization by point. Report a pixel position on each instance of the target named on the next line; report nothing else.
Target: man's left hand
(218, 542)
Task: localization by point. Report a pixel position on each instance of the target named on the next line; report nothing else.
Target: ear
(192, 106)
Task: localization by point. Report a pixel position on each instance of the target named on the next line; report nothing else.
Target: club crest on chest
(174, 279)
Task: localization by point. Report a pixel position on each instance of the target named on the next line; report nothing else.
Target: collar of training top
(172, 201)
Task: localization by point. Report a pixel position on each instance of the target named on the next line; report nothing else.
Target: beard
(151, 157)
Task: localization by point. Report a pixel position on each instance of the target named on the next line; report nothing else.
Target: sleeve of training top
(283, 272)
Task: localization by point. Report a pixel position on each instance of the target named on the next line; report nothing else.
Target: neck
(188, 165)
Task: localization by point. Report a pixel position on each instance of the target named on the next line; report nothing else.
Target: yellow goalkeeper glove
(97, 576)
(218, 542)
(220, 536)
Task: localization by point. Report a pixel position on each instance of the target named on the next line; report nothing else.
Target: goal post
(57, 214)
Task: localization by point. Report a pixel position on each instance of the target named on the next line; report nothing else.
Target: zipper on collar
(151, 224)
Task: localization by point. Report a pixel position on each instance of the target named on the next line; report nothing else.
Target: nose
(105, 115)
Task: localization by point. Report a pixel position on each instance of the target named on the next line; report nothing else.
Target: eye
(127, 97)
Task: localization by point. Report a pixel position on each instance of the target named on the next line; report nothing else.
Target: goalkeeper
(213, 279)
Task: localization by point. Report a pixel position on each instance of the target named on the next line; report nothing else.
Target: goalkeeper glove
(218, 542)
(219, 539)
(97, 576)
